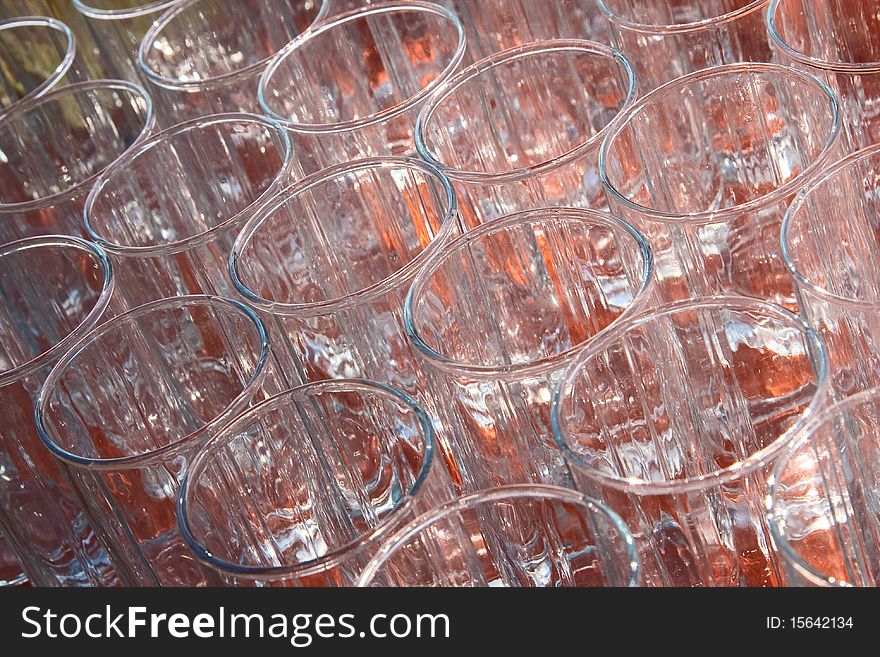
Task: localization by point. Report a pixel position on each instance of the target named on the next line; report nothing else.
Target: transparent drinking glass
(675, 418)
(522, 128)
(665, 39)
(498, 313)
(206, 56)
(128, 406)
(36, 53)
(840, 43)
(53, 147)
(116, 28)
(52, 291)
(301, 489)
(706, 165)
(822, 498)
(168, 210)
(830, 244)
(352, 85)
(529, 536)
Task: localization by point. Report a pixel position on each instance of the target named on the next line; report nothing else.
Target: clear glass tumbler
(169, 209)
(52, 291)
(830, 244)
(301, 489)
(498, 313)
(53, 147)
(521, 536)
(128, 406)
(706, 165)
(522, 128)
(206, 56)
(838, 41)
(823, 498)
(665, 39)
(352, 86)
(675, 418)
(36, 53)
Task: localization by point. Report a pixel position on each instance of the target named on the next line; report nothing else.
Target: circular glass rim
(539, 216)
(231, 432)
(843, 165)
(145, 9)
(814, 62)
(516, 491)
(621, 121)
(267, 209)
(80, 188)
(816, 353)
(805, 436)
(63, 66)
(317, 29)
(122, 164)
(476, 70)
(176, 9)
(236, 405)
(89, 320)
(692, 26)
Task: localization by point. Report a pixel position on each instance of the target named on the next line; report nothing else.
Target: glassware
(352, 85)
(301, 489)
(665, 39)
(116, 27)
(497, 314)
(127, 407)
(35, 54)
(52, 291)
(706, 165)
(169, 209)
(206, 56)
(838, 42)
(53, 147)
(830, 245)
(535, 536)
(675, 418)
(522, 129)
(822, 498)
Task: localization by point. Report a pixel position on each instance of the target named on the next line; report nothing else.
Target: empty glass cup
(675, 417)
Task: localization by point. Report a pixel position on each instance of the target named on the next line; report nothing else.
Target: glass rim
(280, 198)
(145, 9)
(248, 416)
(95, 336)
(805, 437)
(63, 65)
(817, 356)
(125, 161)
(317, 29)
(177, 8)
(79, 188)
(691, 26)
(540, 492)
(809, 60)
(540, 216)
(479, 68)
(845, 164)
(90, 319)
(622, 120)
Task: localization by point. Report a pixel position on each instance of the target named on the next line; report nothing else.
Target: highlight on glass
(517, 536)
(52, 148)
(53, 290)
(301, 489)
(675, 418)
(706, 165)
(497, 314)
(128, 406)
(522, 128)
